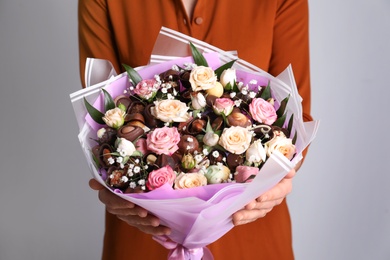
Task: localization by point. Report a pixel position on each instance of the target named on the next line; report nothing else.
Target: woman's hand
(129, 212)
(259, 207)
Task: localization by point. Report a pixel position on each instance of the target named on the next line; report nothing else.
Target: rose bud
(228, 78)
(210, 139)
(125, 147)
(198, 101)
(238, 119)
(223, 106)
(188, 162)
(255, 153)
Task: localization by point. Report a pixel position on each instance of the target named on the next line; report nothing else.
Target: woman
(268, 33)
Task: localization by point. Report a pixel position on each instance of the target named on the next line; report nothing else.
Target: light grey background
(340, 202)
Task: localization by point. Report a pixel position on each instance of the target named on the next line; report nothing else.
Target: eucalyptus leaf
(108, 101)
(95, 114)
(282, 107)
(132, 74)
(226, 66)
(199, 59)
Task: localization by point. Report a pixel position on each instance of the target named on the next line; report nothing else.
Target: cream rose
(114, 117)
(170, 110)
(281, 144)
(202, 78)
(190, 180)
(256, 153)
(235, 139)
(217, 174)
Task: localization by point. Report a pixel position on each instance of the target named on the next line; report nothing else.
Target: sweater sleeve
(291, 46)
(95, 34)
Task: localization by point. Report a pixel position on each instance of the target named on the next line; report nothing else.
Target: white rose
(198, 100)
(202, 78)
(228, 76)
(235, 139)
(125, 147)
(190, 180)
(114, 118)
(283, 145)
(210, 138)
(256, 153)
(170, 110)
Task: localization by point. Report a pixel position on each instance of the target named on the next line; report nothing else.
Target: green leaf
(199, 59)
(108, 101)
(226, 66)
(266, 94)
(280, 121)
(294, 140)
(95, 114)
(290, 124)
(133, 74)
(282, 107)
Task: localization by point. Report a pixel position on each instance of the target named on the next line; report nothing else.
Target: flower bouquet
(206, 130)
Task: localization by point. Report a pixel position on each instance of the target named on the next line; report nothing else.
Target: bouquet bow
(179, 252)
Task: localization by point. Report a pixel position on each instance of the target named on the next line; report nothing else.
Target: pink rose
(147, 88)
(163, 140)
(223, 106)
(159, 177)
(262, 111)
(244, 172)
